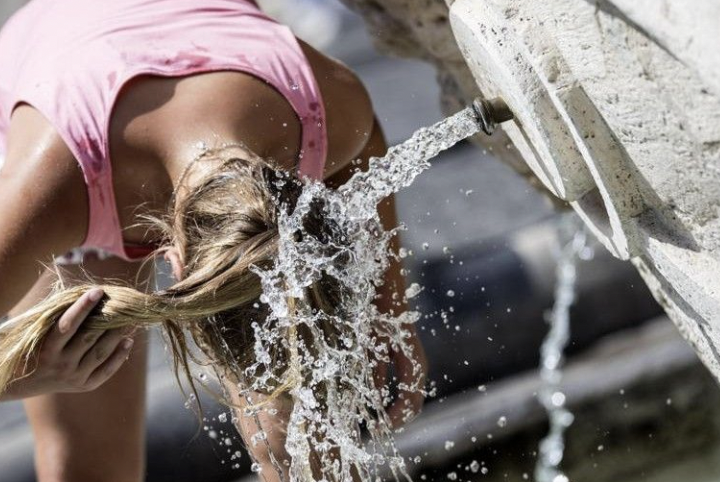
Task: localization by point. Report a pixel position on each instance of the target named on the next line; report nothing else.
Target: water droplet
(257, 438)
(413, 290)
(502, 421)
(449, 444)
(450, 293)
(190, 401)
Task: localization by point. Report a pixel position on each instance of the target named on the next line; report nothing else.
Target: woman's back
(70, 60)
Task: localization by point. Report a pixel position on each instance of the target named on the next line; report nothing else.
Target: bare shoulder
(44, 202)
(349, 111)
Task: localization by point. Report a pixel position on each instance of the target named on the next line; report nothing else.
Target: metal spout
(491, 113)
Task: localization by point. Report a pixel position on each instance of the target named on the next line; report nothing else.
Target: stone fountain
(617, 113)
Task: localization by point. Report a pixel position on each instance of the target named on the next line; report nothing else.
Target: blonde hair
(225, 224)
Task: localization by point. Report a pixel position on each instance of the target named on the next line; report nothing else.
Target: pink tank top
(70, 58)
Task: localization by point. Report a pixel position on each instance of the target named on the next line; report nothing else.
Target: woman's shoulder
(44, 194)
(348, 109)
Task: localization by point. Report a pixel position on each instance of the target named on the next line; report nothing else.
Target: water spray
(337, 413)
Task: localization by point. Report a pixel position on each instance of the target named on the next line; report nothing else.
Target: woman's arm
(391, 293)
(68, 446)
(43, 212)
(43, 204)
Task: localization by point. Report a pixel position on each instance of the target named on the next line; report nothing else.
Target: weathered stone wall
(617, 112)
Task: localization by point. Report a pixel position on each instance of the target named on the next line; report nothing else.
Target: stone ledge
(633, 385)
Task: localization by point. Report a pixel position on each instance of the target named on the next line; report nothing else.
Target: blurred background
(645, 409)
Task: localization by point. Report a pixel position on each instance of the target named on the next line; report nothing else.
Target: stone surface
(618, 113)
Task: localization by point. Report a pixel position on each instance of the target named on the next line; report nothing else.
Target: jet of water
(334, 400)
(573, 238)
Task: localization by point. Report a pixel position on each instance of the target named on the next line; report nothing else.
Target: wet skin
(154, 130)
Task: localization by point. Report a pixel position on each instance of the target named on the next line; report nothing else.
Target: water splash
(573, 239)
(330, 379)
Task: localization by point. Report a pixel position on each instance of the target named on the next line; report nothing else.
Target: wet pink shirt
(70, 58)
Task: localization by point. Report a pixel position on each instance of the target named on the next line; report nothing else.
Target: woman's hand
(410, 374)
(71, 360)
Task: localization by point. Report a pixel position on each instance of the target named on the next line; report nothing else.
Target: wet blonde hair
(222, 226)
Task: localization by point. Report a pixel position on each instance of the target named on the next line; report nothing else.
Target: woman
(104, 106)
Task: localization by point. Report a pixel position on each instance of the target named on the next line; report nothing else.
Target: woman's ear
(172, 256)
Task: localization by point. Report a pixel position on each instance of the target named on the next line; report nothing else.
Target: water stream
(572, 239)
(338, 418)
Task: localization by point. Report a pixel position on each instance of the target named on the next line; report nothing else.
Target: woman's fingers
(111, 365)
(411, 373)
(405, 408)
(81, 344)
(380, 373)
(410, 398)
(68, 324)
(102, 350)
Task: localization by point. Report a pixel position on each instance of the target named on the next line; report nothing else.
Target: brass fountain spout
(491, 113)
